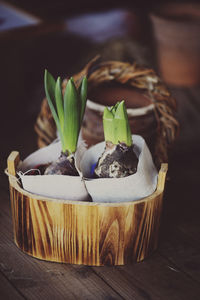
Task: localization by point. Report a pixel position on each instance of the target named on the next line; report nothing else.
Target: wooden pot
(84, 232)
(177, 29)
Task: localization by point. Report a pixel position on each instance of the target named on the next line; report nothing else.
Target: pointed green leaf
(120, 111)
(49, 84)
(107, 114)
(114, 108)
(71, 116)
(116, 124)
(59, 102)
(83, 97)
(68, 114)
(108, 125)
(122, 127)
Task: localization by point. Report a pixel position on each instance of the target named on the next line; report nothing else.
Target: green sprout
(67, 110)
(116, 125)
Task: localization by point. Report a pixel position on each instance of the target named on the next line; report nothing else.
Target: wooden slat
(190, 228)
(12, 162)
(155, 278)
(181, 250)
(161, 177)
(7, 291)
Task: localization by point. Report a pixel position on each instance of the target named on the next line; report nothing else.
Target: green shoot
(83, 97)
(59, 102)
(67, 111)
(108, 119)
(116, 124)
(71, 116)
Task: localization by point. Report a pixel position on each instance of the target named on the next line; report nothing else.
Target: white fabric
(134, 187)
(53, 186)
(130, 188)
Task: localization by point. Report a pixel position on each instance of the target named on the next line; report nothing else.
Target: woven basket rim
(133, 112)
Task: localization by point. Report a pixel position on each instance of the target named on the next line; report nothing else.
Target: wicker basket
(158, 124)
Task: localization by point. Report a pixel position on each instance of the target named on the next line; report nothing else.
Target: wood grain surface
(85, 233)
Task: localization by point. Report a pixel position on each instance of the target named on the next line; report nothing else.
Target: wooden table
(172, 272)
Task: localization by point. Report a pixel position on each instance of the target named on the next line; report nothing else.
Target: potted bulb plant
(57, 226)
(118, 160)
(68, 115)
(60, 158)
(121, 168)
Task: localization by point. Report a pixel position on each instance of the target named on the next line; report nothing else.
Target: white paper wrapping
(133, 187)
(53, 186)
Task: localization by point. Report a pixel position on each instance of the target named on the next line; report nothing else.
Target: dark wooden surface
(172, 272)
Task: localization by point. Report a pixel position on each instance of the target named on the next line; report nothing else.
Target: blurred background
(63, 36)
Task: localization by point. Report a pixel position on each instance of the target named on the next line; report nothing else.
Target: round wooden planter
(151, 109)
(85, 232)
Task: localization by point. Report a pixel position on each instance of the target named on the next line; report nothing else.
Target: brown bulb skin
(64, 165)
(117, 161)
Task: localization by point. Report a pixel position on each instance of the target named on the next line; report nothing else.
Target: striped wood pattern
(85, 232)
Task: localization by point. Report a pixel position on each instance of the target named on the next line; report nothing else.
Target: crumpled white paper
(134, 187)
(53, 186)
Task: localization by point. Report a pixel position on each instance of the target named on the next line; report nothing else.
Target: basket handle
(161, 176)
(12, 162)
